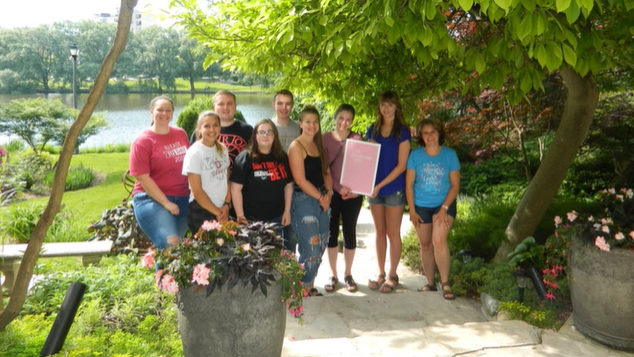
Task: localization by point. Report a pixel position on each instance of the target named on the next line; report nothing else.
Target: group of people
(289, 173)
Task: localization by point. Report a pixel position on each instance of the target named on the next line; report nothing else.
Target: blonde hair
(220, 148)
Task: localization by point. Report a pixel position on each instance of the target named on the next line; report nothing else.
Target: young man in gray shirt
(287, 128)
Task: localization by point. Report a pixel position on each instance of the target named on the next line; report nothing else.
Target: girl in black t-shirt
(261, 181)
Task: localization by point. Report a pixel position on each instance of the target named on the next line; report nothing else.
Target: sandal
(448, 292)
(427, 287)
(386, 287)
(351, 286)
(314, 292)
(332, 286)
(376, 284)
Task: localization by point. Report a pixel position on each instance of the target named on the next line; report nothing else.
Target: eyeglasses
(265, 132)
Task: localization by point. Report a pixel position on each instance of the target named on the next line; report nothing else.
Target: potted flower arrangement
(597, 256)
(232, 284)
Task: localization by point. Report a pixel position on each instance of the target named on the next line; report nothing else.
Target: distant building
(139, 19)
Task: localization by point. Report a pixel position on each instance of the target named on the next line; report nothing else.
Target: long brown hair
(276, 150)
(399, 119)
(309, 109)
(220, 148)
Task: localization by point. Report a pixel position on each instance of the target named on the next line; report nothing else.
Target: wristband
(226, 204)
(445, 207)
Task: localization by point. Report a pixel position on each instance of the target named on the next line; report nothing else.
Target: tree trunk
(25, 272)
(581, 102)
(191, 83)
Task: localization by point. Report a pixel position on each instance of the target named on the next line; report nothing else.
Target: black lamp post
(74, 52)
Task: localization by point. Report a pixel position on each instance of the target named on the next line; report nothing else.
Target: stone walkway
(409, 323)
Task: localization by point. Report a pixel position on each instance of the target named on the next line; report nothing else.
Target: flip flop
(386, 287)
(427, 287)
(351, 285)
(448, 293)
(332, 286)
(376, 284)
(314, 292)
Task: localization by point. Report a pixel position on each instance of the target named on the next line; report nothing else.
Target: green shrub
(18, 222)
(78, 178)
(122, 313)
(108, 148)
(411, 251)
(189, 116)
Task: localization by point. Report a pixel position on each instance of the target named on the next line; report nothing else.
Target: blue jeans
(158, 223)
(312, 228)
(394, 200)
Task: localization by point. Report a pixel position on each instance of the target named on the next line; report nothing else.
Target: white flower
(619, 197)
(612, 191)
(605, 229)
(557, 221)
(590, 219)
(629, 193)
(619, 236)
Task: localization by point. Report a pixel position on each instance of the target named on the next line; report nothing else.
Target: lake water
(128, 114)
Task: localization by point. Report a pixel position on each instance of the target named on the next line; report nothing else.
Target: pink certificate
(360, 162)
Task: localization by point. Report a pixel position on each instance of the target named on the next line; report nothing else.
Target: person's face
(209, 129)
(283, 106)
(162, 112)
(343, 120)
(225, 107)
(388, 110)
(430, 135)
(265, 136)
(310, 124)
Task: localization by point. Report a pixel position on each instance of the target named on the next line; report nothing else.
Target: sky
(32, 13)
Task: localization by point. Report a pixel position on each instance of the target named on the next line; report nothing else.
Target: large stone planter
(602, 289)
(231, 323)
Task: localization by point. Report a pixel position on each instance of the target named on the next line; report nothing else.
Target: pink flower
(601, 244)
(596, 226)
(220, 241)
(208, 226)
(611, 191)
(232, 232)
(157, 277)
(606, 229)
(201, 274)
(549, 296)
(168, 284)
(148, 259)
(629, 193)
(632, 234)
(557, 221)
(619, 197)
(572, 216)
(619, 236)
(246, 246)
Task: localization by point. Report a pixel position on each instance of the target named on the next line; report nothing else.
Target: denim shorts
(394, 200)
(427, 213)
(310, 221)
(158, 223)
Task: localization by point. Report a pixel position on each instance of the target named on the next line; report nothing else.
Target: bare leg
(441, 249)
(348, 257)
(332, 260)
(378, 214)
(424, 232)
(173, 240)
(394, 217)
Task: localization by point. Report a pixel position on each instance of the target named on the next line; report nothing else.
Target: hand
(415, 219)
(442, 218)
(324, 201)
(172, 208)
(350, 195)
(372, 141)
(242, 220)
(344, 191)
(286, 218)
(224, 214)
(375, 191)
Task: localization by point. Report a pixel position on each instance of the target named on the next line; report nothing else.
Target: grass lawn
(183, 84)
(87, 204)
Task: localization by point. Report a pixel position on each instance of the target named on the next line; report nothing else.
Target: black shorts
(426, 213)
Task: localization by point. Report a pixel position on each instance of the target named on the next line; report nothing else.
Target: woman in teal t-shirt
(432, 182)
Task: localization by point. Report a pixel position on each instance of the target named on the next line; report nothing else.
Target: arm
(296, 162)
(454, 180)
(236, 194)
(201, 197)
(152, 189)
(410, 178)
(324, 200)
(288, 196)
(401, 165)
(225, 207)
